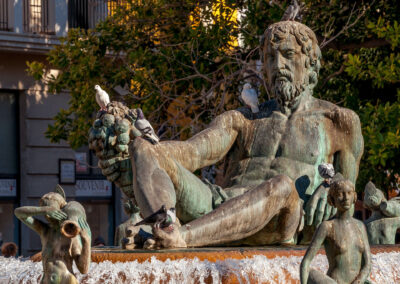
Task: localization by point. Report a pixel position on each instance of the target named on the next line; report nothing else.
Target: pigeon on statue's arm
(144, 126)
(102, 98)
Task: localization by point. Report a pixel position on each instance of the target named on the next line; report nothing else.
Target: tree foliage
(184, 62)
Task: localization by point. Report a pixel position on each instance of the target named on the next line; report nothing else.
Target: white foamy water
(385, 269)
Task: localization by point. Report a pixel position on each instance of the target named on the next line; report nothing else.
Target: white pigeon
(102, 98)
(291, 11)
(144, 126)
(250, 98)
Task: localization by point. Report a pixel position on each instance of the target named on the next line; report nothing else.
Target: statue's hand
(85, 232)
(168, 238)
(83, 224)
(317, 208)
(56, 214)
(109, 138)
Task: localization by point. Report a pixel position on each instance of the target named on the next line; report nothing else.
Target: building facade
(30, 165)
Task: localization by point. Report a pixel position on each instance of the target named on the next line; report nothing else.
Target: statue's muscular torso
(271, 143)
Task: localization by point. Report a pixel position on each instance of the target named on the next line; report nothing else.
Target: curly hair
(305, 37)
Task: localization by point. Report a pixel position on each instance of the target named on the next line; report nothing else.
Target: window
(86, 14)
(9, 132)
(9, 166)
(36, 16)
(5, 7)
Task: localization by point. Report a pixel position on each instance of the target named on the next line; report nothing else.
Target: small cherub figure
(385, 217)
(58, 250)
(127, 227)
(345, 241)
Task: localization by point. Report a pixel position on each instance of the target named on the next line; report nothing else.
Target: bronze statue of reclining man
(271, 158)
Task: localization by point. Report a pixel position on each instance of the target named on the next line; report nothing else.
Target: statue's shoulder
(360, 224)
(326, 226)
(266, 108)
(341, 117)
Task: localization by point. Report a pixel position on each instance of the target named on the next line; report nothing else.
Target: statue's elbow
(18, 212)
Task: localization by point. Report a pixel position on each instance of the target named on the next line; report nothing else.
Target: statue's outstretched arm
(207, 147)
(114, 131)
(390, 208)
(26, 213)
(317, 241)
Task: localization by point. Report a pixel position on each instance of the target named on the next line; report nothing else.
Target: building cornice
(27, 43)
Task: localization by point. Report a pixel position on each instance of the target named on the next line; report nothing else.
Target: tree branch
(337, 73)
(372, 43)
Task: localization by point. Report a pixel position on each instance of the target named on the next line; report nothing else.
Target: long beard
(286, 92)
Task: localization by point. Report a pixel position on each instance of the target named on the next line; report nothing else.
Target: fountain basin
(201, 265)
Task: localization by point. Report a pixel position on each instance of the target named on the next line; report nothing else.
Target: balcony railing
(87, 13)
(4, 15)
(36, 16)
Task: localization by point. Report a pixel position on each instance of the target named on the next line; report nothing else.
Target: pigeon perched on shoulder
(102, 98)
(326, 171)
(291, 11)
(163, 218)
(144, 126)
(250, 97)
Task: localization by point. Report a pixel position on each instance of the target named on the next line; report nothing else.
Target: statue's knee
(284, 184)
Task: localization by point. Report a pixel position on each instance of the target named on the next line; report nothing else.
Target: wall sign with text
(66, 171)
(95, 188)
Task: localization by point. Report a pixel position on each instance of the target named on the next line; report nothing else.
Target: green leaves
(381, 131)
(36, 70)
(181, 63)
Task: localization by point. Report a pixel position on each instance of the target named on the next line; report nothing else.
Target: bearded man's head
(291, 61)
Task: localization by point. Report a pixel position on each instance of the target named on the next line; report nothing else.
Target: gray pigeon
(291, 11)
(102, 98)
(326, 170)
(250, 98)
(162, 218)
(144, 126)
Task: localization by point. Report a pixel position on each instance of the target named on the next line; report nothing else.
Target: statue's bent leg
(160, 180)
(245, 215)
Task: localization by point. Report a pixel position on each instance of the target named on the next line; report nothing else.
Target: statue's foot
(150, 244)
(168, 237)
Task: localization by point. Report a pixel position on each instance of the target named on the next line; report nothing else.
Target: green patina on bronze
(270, 158)
(385, 218)
(65, 238)
(345, 241)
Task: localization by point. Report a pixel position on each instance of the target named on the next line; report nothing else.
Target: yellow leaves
(113, 5)
(222, 12)
(179, 113)
(195, 17)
